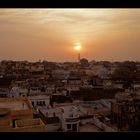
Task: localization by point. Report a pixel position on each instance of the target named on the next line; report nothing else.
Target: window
(41, 103)
(74, 127)
(32, 103)
(14, 123)
(44, 103)
(68, 126)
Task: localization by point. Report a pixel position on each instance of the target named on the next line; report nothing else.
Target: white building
(101, 71)
(69, 119)
(17, 91)
(40, 100)
(34, 90)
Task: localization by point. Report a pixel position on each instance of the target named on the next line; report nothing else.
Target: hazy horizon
(51, 34)
(90, 60)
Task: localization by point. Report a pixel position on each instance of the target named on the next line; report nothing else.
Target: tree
(125, 73)
(84, 62)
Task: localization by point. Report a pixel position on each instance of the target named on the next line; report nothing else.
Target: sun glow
(77, 47)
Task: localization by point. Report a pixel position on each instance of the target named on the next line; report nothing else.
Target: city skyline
(51, 34)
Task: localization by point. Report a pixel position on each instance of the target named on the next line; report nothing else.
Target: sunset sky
(51, 34)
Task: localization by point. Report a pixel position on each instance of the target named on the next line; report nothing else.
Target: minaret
(79, 57)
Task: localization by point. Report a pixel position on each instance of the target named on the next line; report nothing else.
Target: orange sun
(77, 47)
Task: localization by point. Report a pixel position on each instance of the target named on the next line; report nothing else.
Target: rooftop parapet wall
(29, 122)
(29, 125)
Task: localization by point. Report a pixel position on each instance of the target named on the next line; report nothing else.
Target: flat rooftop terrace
(15, 104)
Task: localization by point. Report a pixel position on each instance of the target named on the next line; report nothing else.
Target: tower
(79, 57)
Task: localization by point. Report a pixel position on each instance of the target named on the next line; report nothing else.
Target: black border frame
(69, 4)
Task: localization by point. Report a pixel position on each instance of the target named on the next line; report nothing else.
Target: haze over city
(51, 34)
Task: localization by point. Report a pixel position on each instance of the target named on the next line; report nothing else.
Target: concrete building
(101, 71)
(29, 125)
(125, 111)
(39, 100)
(18, 91)
(69, 119)
(16, 114)
(63, 117)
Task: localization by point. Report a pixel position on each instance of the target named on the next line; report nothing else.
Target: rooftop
(127, 96)
(42, 96)
(29, 122)
(89, 128)
(50, 112)
(15, 103)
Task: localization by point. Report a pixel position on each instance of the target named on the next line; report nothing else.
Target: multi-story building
(125, 111)
(17, 114)
(40, 100)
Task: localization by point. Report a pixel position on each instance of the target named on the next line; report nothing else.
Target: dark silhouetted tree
(125, 72)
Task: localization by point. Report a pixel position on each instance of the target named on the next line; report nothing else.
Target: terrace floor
(17, 105)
